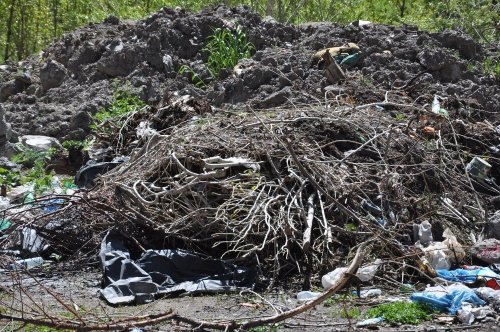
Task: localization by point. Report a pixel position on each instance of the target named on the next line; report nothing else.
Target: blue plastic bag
(467, 276)
(450, 301)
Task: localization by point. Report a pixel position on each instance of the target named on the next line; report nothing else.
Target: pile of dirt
(270, 166)
(56, 92)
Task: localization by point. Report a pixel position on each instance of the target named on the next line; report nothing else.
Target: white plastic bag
(367, 273)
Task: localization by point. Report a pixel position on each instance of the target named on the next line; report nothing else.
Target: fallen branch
(233, 325)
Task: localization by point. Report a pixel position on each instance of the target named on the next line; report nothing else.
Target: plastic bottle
(307, 295)
(27, 263)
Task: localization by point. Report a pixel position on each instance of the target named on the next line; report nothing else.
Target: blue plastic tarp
(467, 276)
(449, 300)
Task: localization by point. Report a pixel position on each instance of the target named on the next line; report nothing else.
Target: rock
(7, 164)
(13, 87)
(118, 61)
(111, 19)
(40, 143)
(52, 74)
(487, 250)
(81, 119)
(6, 136)
(257, 76)
(432, 59)
(465, 45)
(493, 225)
(276, 98)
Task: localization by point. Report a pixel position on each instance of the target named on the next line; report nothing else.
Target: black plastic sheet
(164, 272)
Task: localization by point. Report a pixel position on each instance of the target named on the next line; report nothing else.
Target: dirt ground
(80, 290)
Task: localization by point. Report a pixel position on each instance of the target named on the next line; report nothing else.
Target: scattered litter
(367, 293)
(4, 224)
(468, 314)
(365, 273)
(161, 272)
(447, 298)
(487, 250)
(467, 276)
(478, 168)
(441, 255)
(85, 177)
(307, 295)
(372, 322)
(31, 242)
(28, 263)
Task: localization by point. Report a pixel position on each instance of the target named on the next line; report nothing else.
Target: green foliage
(350, 313)
(9, 178)
(266, 328)
(194, 77)
(401, 312)
(226, 48)
(41, 179)
(73, 144)
(492, 67)
(29, 157)
(124, 103)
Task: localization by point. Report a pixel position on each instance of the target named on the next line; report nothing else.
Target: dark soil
(55, 93)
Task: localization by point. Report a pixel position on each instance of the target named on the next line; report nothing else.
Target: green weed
(41, 179)
(78, 145)
(29, 157)
(350, 313)
(401, 312)
(266, 328)
(226, 48)
(194, 77)
(9, 178)
(111, 117)
(400, 117)
(492, 68)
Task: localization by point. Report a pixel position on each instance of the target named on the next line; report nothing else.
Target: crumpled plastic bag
(441, 255)
(467, 276)
(447, 298)
(365, 273)
(468, 314)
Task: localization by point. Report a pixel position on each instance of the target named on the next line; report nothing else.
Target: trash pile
(326, 138)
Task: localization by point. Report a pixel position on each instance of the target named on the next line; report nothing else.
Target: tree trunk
(270, 8)
(9, 29)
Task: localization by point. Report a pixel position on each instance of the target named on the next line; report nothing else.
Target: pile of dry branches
(294, 188)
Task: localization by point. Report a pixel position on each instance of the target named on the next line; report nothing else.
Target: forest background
(27, 26)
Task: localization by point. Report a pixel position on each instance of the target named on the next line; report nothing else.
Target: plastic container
(307, 295)
(27, 263)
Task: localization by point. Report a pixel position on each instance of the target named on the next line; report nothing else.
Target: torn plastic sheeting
(162, 272)
(86, 175)
(449, 298)
(467, 276)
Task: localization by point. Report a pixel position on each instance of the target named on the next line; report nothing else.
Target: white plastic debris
(332, 277)
(367, 293)
(490, 295)
(468, 314)
(441, 255)
(436, 105)
(307, 296)
(478, 168)
(365, 273)
(27, 263)
(425, 232)
(372, 322)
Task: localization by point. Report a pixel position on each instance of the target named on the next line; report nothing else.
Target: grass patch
(401, 312)
(110, 118)
(226, 49)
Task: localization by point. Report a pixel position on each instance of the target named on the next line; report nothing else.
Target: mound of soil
(56, 92)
